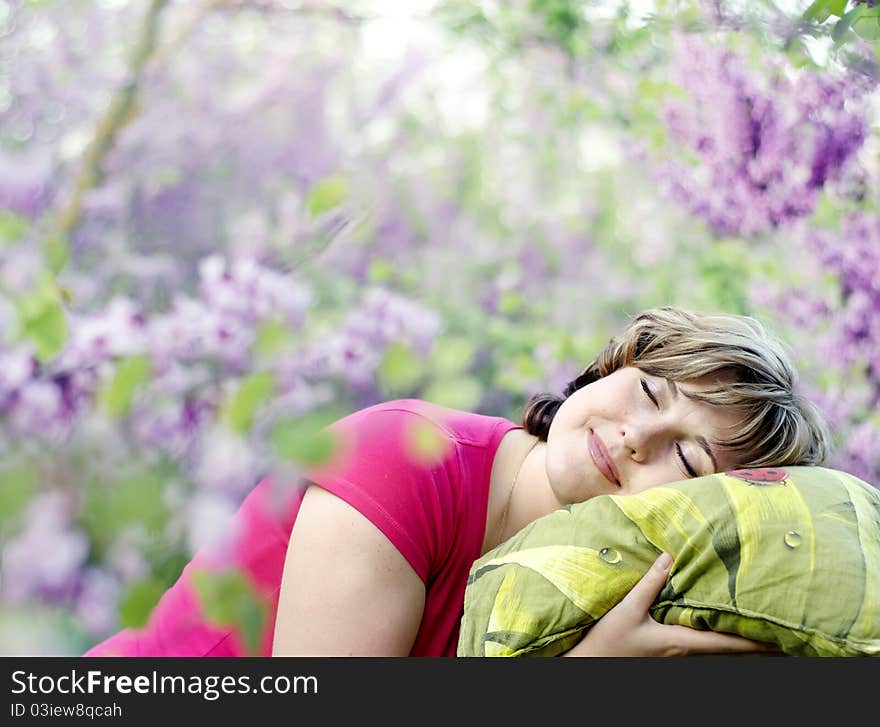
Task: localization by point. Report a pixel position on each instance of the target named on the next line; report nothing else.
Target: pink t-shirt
(418, 471)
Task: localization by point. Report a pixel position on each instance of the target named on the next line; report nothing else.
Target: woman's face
(629, 431)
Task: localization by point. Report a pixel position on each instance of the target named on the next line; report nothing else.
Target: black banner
(141, 691)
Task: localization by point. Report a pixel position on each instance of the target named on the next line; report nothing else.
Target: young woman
(370, 553)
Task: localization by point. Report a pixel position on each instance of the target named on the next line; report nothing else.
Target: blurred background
(225, 223)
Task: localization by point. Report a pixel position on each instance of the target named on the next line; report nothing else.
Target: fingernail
(664, 562)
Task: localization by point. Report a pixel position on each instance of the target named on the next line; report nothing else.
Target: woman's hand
(629, 630)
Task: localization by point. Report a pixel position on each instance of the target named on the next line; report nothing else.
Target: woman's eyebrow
(704, 445)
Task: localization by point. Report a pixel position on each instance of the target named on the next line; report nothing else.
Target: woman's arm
(345, 590)
(629, 630)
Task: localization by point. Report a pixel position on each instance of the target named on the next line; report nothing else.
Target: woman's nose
(640, 439)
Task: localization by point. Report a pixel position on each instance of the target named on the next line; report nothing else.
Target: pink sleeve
(398, 467)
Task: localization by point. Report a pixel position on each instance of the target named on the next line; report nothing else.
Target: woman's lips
(601, 458)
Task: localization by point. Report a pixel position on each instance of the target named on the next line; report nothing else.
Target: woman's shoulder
(453, 423)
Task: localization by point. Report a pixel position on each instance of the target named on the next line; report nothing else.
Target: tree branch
(120, 113)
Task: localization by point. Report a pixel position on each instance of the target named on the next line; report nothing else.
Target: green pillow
(787, 556)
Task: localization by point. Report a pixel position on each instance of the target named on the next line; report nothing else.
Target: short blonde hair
(779, 425)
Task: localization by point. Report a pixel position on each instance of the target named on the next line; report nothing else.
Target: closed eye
(687, 465)
(647, 390)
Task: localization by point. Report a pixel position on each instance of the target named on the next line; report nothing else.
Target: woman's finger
(688, 640)
(644, 593)
(694, 641)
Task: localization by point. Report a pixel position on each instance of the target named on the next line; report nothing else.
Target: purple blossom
(859, 452)
(234, 299)
(38, 408)
(183, 344)
(209, 519)
(853, 254)
(125, 560)
(384, 317)
(765, 143)
(226, 463)
(20, 268)
(101, 336)
(838, 326)
(252, 292)
(169, 426)
(17, 366)
(96, 603)
(43, 561)
(24, 183)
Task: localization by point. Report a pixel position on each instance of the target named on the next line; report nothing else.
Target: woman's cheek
(567, 479)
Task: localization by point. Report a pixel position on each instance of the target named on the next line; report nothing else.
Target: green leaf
(561, 18)
(654, 90)
(47, 330)
(462, 392)
(57, 252)
(228, 599)
(327, 194)
(19, 485)
(519, 373)
(111, 506)
(527, 366)
(452, 355)
(867, 25)
(426, 442)
(844, 25)
(306, 440)
(380, 271)
(42, 317)
(12, 227)
(272, 338)
(253, 391)
(462, 16)
(579, 347)
(826, 213)
(821, 10)
(138, 602)
(510, 301)
(117, 398)
(400, 369)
